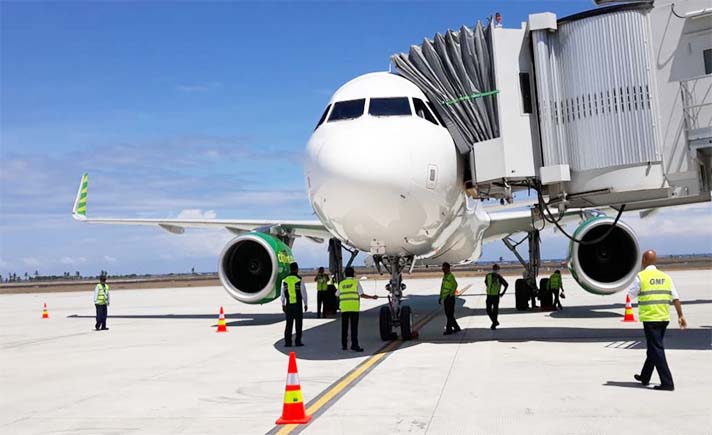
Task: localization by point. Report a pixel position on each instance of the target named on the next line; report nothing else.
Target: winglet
(79, 211)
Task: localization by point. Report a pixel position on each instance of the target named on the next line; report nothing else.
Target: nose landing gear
(395, 315)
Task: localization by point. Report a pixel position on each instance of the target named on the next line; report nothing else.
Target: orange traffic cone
(629, 316)
(45, 314)
(293, 411)
(222, 326)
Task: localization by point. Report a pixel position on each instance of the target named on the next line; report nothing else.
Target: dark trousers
(493, 308)
(320, 300)
(294, 314)
(101, 313)
(352, 318)
(557, 302)
(449, 307)
(654, 335)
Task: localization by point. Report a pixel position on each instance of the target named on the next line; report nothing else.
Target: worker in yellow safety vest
(448, 291)
(101, 302)
(556, 286)
(494, 283)
(350, 293)
(655, 290)
(322, 285)
(294, 296)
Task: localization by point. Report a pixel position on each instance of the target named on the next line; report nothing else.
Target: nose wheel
(394, 315)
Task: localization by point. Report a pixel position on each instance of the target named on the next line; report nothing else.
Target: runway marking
(328, 397)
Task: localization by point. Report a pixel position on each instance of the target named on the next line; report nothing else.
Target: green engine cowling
(608, 266)
(252, 267)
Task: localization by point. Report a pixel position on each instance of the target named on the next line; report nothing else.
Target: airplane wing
(314, 230)
(505, 223)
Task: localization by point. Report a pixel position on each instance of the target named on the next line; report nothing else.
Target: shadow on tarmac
(236, 319)
(596, 311)
(625, 384)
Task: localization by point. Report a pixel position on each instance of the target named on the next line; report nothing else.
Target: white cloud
(73, 261)
(4, 263)
(109, 259)
(196, 213)
(31, 261)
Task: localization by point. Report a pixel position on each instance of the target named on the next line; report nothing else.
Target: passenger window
(323, 117)
(389, 106)
(422, 110)
(350, 109)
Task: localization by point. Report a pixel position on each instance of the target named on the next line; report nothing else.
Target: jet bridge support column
(531, 267)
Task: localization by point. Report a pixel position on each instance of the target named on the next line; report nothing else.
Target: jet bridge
(606, 107)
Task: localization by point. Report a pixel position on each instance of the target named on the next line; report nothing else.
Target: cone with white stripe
(629, 316)
(293, 411)
(45, 314)
(222, 326)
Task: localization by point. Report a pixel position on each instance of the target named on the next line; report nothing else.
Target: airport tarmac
(161, 368)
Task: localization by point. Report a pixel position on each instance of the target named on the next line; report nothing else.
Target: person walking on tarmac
(494, 283)
(322, 285)
(655, 290)
(294, 295)
(556, 286)
(448, 290)
(101, 302)
(350, 293)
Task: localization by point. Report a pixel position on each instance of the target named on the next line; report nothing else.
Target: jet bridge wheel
(385, 324)
(406, 322)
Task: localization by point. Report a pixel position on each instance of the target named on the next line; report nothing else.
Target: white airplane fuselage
(391, 185)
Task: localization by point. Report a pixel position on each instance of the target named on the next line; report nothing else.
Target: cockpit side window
(398, 106)
(437, 115)
(350, 109)
(423, 111)
(323, 116)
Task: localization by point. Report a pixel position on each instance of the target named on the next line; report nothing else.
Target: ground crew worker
(350, 293)
(101, 302)
(556, 286)
(448, 290)
(322, 285)
(654, 290)
(294, 295)
(494, 283)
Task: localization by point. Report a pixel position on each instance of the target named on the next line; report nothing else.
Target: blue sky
(198, 109)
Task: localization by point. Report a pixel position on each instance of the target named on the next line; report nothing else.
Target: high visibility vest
(293, 285)
(448, 286)
(555, 281)
(322, 281)
(349, 299)
(493, 284)
(103, 294)
(655, 296)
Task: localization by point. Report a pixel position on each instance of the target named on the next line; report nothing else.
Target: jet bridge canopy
(597, 109)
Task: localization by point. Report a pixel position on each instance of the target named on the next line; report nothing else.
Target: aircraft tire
(385, 324)
(406, 323)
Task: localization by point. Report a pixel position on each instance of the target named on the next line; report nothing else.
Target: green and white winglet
(79, 211)
(314, 230)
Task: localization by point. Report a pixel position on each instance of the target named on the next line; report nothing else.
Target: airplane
(384, 177)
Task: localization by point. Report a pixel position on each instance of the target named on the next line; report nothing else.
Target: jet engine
(609, 265)
(252, 267)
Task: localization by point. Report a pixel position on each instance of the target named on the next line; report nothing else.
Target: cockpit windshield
(398, 106)
(350, 109)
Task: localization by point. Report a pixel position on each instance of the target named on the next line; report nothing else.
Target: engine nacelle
(252, 267)
(609, 266)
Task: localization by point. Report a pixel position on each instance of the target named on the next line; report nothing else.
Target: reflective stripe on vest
(349, 299)
(102, 294)
(655, 296)
(321, 282)
(293, 285)
(555, 281)
(493, 284)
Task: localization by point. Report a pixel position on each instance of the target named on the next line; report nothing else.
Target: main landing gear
(526, 288)
(394, 315)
